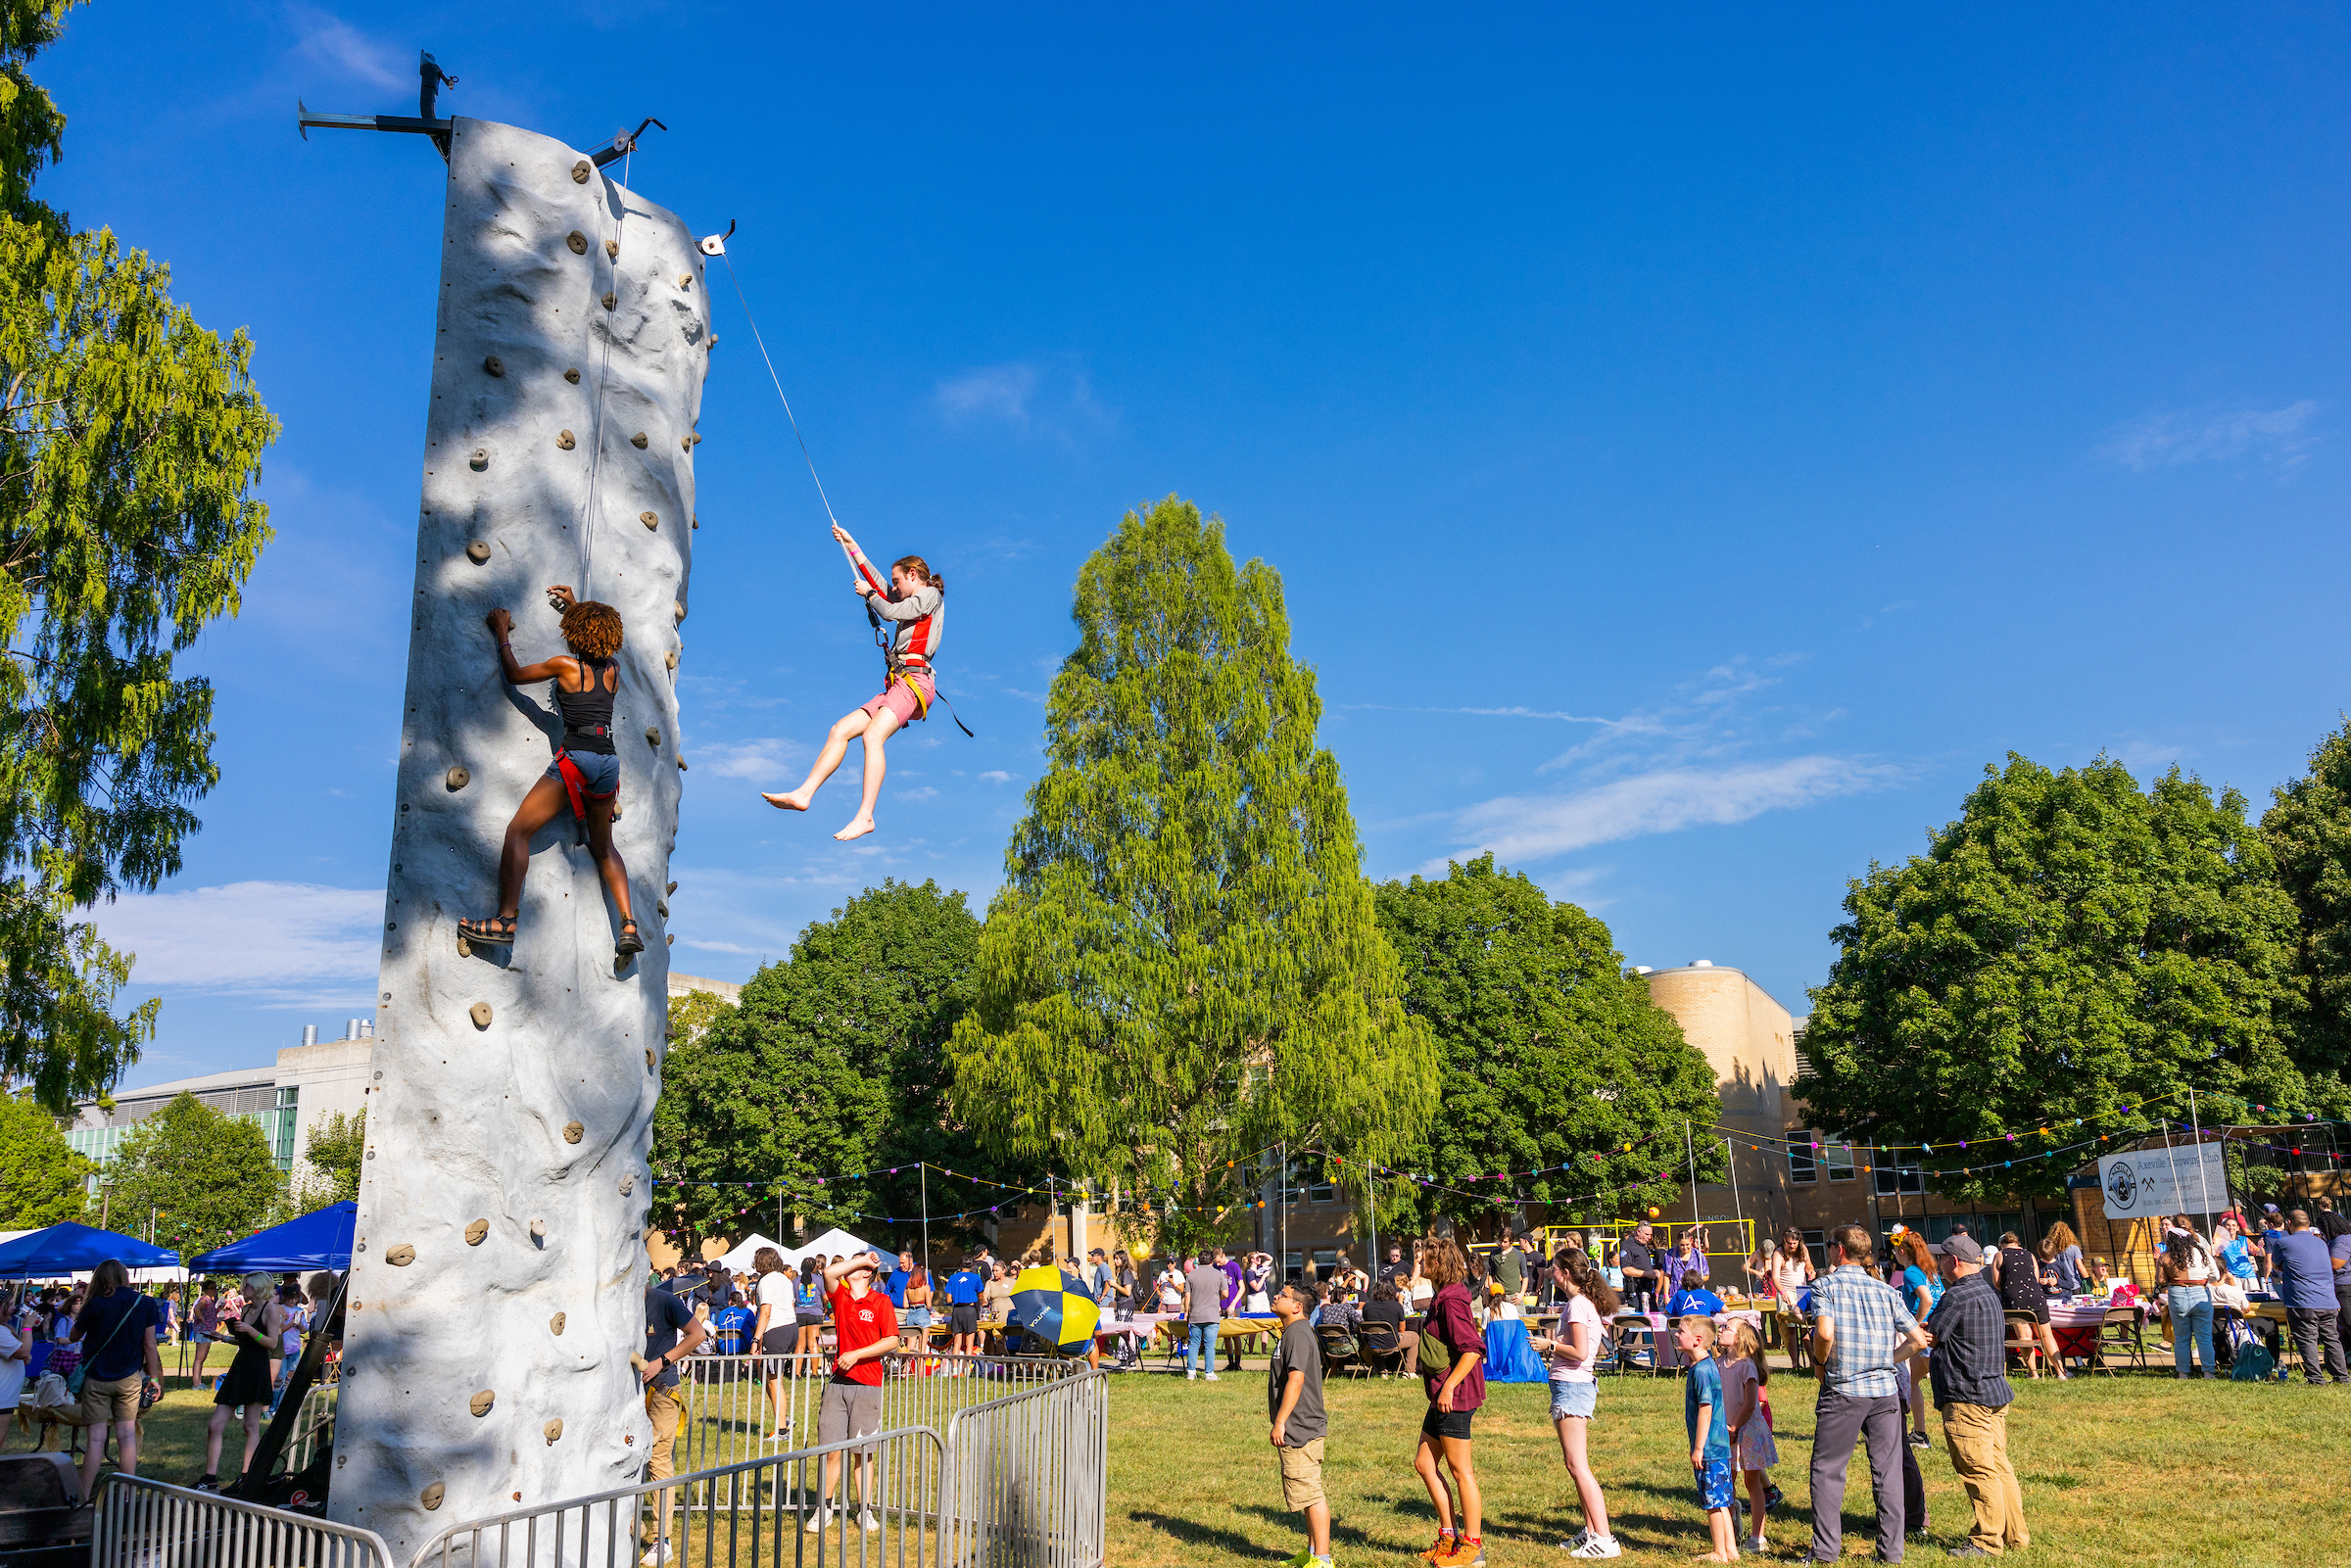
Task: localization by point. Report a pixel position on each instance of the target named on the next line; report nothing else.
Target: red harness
(575, 783)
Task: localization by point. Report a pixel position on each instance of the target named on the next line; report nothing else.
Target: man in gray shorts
(865, 1329)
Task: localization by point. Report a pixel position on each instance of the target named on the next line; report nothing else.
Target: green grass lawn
(2130, 1470)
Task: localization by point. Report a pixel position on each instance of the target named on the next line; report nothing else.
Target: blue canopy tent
(69, 1249)
(317, 1240)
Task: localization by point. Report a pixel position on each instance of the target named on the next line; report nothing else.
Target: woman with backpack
(1453, 1352)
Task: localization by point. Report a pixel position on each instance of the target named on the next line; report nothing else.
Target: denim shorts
(1574, 1398)
(600, 772)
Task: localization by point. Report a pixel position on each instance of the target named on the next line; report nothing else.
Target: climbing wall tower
(499, 1272)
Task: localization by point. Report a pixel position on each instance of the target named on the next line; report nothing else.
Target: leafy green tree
(1183, 967)
(831, 1066)
(2068, 947)
(2308, 831)
(207, 1177)
(42, 1180)
(1551, 1057)
(333, 1150)
(129, 440)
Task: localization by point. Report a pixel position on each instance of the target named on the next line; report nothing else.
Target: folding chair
(1381, 1347)
(2024, 1338)
(2118, 1333)
(1340, 1350)
(1797, 1330)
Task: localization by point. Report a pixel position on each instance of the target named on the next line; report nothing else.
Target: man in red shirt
(865, 1329)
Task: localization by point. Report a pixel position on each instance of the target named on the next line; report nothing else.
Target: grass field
(2134, 1470)
(2130, 1470)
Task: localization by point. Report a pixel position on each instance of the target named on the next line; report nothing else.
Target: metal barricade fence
(1027, 1476)
(731, 1411)
(759, 1513)
(146, 1524)
(313, 1425)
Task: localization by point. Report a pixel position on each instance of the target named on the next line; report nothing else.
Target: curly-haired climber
(914, 602)
(586, 772)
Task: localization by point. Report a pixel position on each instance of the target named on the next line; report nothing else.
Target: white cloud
(768, 759)
(328, 41)
(247, 937)
(1055, 400)
(2160, 440)
(1527, 828)
(997, 776)
(926, 793)
(999, 392)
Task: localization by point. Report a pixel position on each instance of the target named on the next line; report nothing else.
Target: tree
(2308, 831)
(1553, 1061)
(2067, 948)
(42, 1180)
(830, 1071)
(1182, 968)
(129, 440)
(207, 1177)
(333, 1150)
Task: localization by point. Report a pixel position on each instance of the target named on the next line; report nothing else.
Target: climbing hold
(684, 280)
(458, 778)
(431, 1495)
(611, 299)
(573, 1132)
(652, 736)
(400, 1256)
(686, 443)
(615, 811)
(713, 342)
(648, 1056)
(563, 439)
(698, 522)
(479, 461)
(671, 659)
(464, 948)
(391, 926)
(481, 1015)
(475, 1232)
(661, 908)
(572, 376)
(577, 241)
(539, 1233)
(613, 247)
(637, 440)
(677, 607)
(580, 171)
(650, 519)
(637, 1361)
(553, 1429)
(628, 1184)
(681, 764)
(672, 887)
(555, 1324)
(493, 365)
(673, 938)
(481, 1403)
(478, 551)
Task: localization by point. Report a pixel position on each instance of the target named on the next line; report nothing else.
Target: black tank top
(588, 715)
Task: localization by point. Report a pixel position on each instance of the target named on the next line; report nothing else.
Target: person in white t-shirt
(1587, 1304)
(15, 1351)
(775, 1330)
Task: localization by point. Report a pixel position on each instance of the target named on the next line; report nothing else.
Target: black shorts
(778, 1341)
(812, 1321)
(964, 1317)
(1447, 1423)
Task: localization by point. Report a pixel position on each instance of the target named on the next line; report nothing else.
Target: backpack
(2253, 1361)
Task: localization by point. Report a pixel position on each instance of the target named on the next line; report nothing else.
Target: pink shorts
(899, 699)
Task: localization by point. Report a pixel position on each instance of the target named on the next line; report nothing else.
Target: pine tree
(1183, 968)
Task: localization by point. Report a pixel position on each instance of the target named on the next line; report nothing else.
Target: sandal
(496, 932)
(630, 941)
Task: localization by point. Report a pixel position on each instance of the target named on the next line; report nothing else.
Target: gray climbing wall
(497, 1283)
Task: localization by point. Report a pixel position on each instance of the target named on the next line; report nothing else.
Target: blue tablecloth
(1510, 1358)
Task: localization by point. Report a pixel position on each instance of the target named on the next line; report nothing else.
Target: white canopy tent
(738, 1262)
(831, 1244)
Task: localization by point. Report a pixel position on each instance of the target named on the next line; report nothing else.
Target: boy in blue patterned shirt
(1710, 1435)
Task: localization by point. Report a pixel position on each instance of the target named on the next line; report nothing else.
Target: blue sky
(1694, 445)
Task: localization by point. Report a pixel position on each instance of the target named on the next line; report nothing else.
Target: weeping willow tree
(1184, 966)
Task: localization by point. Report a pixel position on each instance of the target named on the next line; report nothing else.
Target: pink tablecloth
(1669, 1352)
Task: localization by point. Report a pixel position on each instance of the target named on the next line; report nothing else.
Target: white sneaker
(1576, 1539)
(1191, 1373)
(1211, 1377)
(817, 1522)
(1599, 1546)
(1758, 1544)
(657, 1554)
(867, 1522)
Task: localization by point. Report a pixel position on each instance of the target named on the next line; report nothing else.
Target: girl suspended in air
(914, 600)
(586, 772)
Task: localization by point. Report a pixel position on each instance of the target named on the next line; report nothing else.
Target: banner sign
(2191, 1178)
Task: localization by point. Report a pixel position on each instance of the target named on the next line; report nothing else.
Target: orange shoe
(1465, 1553)
(1440, 1551)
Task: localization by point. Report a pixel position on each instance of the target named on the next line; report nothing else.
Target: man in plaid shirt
(1861, 1332)
(1970, 1368)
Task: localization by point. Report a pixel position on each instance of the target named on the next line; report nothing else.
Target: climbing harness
(892, 670)
(575, 785)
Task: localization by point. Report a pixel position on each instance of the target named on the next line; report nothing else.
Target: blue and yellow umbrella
(1056, 1307)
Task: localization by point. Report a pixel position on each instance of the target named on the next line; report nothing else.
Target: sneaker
(817, 1521)
(867, 1522)
(1191, 1373)
(1598, 1546)
(655, 1554)
(1576, 1539)
(1755, 1543)
(1442, 1548)
(1773, 1496)
(210, 1483)
(1211, 1377)
(1466, 1554)
(1919, 1440)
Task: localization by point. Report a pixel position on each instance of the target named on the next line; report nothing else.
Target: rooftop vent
(1702, 962)
(309, 1034)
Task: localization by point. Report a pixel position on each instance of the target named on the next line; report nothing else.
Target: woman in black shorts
(2021, 1292)
(1453, 1354)
(254, 1334)
(778, 1329)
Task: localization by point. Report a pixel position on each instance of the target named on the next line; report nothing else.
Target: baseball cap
(1961, 1247)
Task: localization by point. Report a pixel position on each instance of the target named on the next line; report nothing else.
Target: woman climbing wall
(914, 602)
(586, 772)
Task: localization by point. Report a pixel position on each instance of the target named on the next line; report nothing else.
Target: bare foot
(790, 802)
(858, 828)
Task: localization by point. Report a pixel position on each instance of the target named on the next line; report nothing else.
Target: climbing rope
(596, 429)
(716, 246)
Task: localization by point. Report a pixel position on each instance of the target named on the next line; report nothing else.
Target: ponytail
(921, 569)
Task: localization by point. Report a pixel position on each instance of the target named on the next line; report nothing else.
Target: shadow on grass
(1192, 1533)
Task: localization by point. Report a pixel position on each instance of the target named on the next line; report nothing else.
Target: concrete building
(308, 1083)
(727, 991)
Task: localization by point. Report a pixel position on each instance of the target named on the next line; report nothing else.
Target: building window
(1801, 1165)
(1891, 1181)
(1816, 1243)
(1837, 1159)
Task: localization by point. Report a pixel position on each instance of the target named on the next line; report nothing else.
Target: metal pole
(922, 1173)
(1730, 1158)
(1691, 1150)
(2203, 1182)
